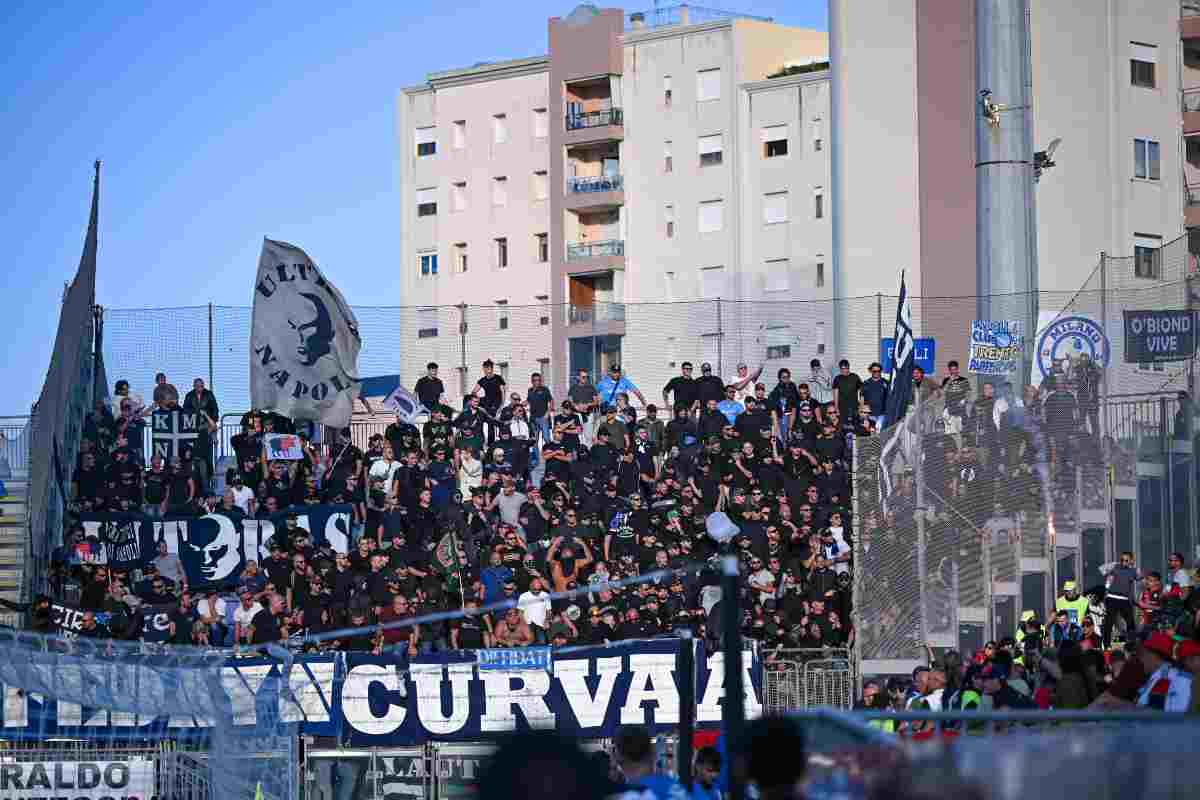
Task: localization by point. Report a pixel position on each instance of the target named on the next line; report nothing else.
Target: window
(458, 134)
(542, 247)
(711, 216)
(500, 191)
(816, 134)
(1146, 159)
(427, 323)
(710, 150)
(775, 208)
(428, 262)
(499, 128)
(779, 341)
(667, 90)
(541, 124)
(541, 186)
(502, 368)
(820, 338)
(775, 141)
(778, 275)
(817, 145)
(712, 282)
(1147, 257)
(458, 196)
(820, 274)
(426, 139)
(543, 321)
(502, 253)
(668, 159)
(818, 205)
(708, 85)
(669, 287)
(669, 217)
(427, 202)
(502, 315)
(544, 369)
(1143, 61)
(460, 257)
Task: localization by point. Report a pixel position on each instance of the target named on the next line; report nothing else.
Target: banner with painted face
(214, 548)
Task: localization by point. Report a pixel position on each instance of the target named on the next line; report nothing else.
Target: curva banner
(77, 780)
(392, 701)
(1156, 336)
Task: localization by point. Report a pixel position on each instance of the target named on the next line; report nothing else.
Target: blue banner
(515, 658)
(367, 700)
(924, 354)
(214, 548)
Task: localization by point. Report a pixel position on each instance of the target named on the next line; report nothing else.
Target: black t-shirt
(266, 627)
(683, 391)
(156, 486)
(710, 387)
(470, 632)
(183, 626)
(429, 390)
(493, 391)
(539, 401)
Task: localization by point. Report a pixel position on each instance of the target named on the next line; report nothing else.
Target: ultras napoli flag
(304, 340)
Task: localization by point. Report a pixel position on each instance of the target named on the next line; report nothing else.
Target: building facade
(646, 162)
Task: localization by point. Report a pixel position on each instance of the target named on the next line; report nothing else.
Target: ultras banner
(366, 700)
(214, 548)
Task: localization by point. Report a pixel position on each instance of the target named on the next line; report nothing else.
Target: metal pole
(687, 706)
(879, 320)
(921, 543)
(720, 338)
(462, 338)
(734, 711)
(210, 347)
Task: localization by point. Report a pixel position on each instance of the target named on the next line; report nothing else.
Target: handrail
(579, 120)
(604, 247)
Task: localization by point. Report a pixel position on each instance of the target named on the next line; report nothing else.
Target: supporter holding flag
(901, 382)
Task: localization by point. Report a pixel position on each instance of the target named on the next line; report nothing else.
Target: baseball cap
(1069, 586)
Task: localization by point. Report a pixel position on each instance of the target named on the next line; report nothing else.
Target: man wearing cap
(1168, 687)
(1072, 602)
(709, 386)
(680, 391)
(615, 382)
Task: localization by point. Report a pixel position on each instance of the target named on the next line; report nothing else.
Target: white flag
(405, 404)
(304, 340)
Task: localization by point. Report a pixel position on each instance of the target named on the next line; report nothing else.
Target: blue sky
(217, 125)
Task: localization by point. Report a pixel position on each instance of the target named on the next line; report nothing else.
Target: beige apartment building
(576, 202)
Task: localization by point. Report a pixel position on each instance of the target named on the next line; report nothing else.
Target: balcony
(606, 248)
(594, 119)
(1191, 111)
(595, 193)
(598, 312)
(1191, 207)
(1189, 19)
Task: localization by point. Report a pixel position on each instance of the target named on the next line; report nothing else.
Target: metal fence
(15, 434)
(122, 769)
(808, 678)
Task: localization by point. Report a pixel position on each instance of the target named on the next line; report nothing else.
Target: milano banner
(369, 701)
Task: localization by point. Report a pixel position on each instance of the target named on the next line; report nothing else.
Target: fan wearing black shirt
(709, 386)
(269, 625)
(490, 390)
(472, 630)
(429, 388)
(680, 391)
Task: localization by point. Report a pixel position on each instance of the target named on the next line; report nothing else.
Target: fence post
(878, 318)
(210, 347)
(720, 338)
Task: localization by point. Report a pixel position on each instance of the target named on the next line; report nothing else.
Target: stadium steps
(13, 537)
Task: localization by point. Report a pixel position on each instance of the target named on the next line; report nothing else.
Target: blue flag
(902, 364)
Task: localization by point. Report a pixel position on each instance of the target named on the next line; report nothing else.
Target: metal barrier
(808, 678)
(118, 771)
(14, 446)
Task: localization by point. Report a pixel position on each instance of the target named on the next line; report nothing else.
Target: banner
(77, 780)
(172, 432)
(924, 354)
(69, 621)
(589, 692)
(1061, 340)
(392, 701)
(1156, 336)
(283, 447)
(996, 346)
(214, 548)
(304, 340)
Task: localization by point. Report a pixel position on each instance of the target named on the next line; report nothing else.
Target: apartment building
(1108, 79)
(581, 197)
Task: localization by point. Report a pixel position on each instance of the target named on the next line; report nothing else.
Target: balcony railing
(596, 312)
(596, 183)
(1191, 98)
(584, 250)
(578, 120)
(1192, 195)
(1189, 8)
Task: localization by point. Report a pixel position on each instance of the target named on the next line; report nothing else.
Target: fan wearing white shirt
(536, 605)
(385, 468)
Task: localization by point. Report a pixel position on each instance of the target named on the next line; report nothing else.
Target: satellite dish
(721, 527)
